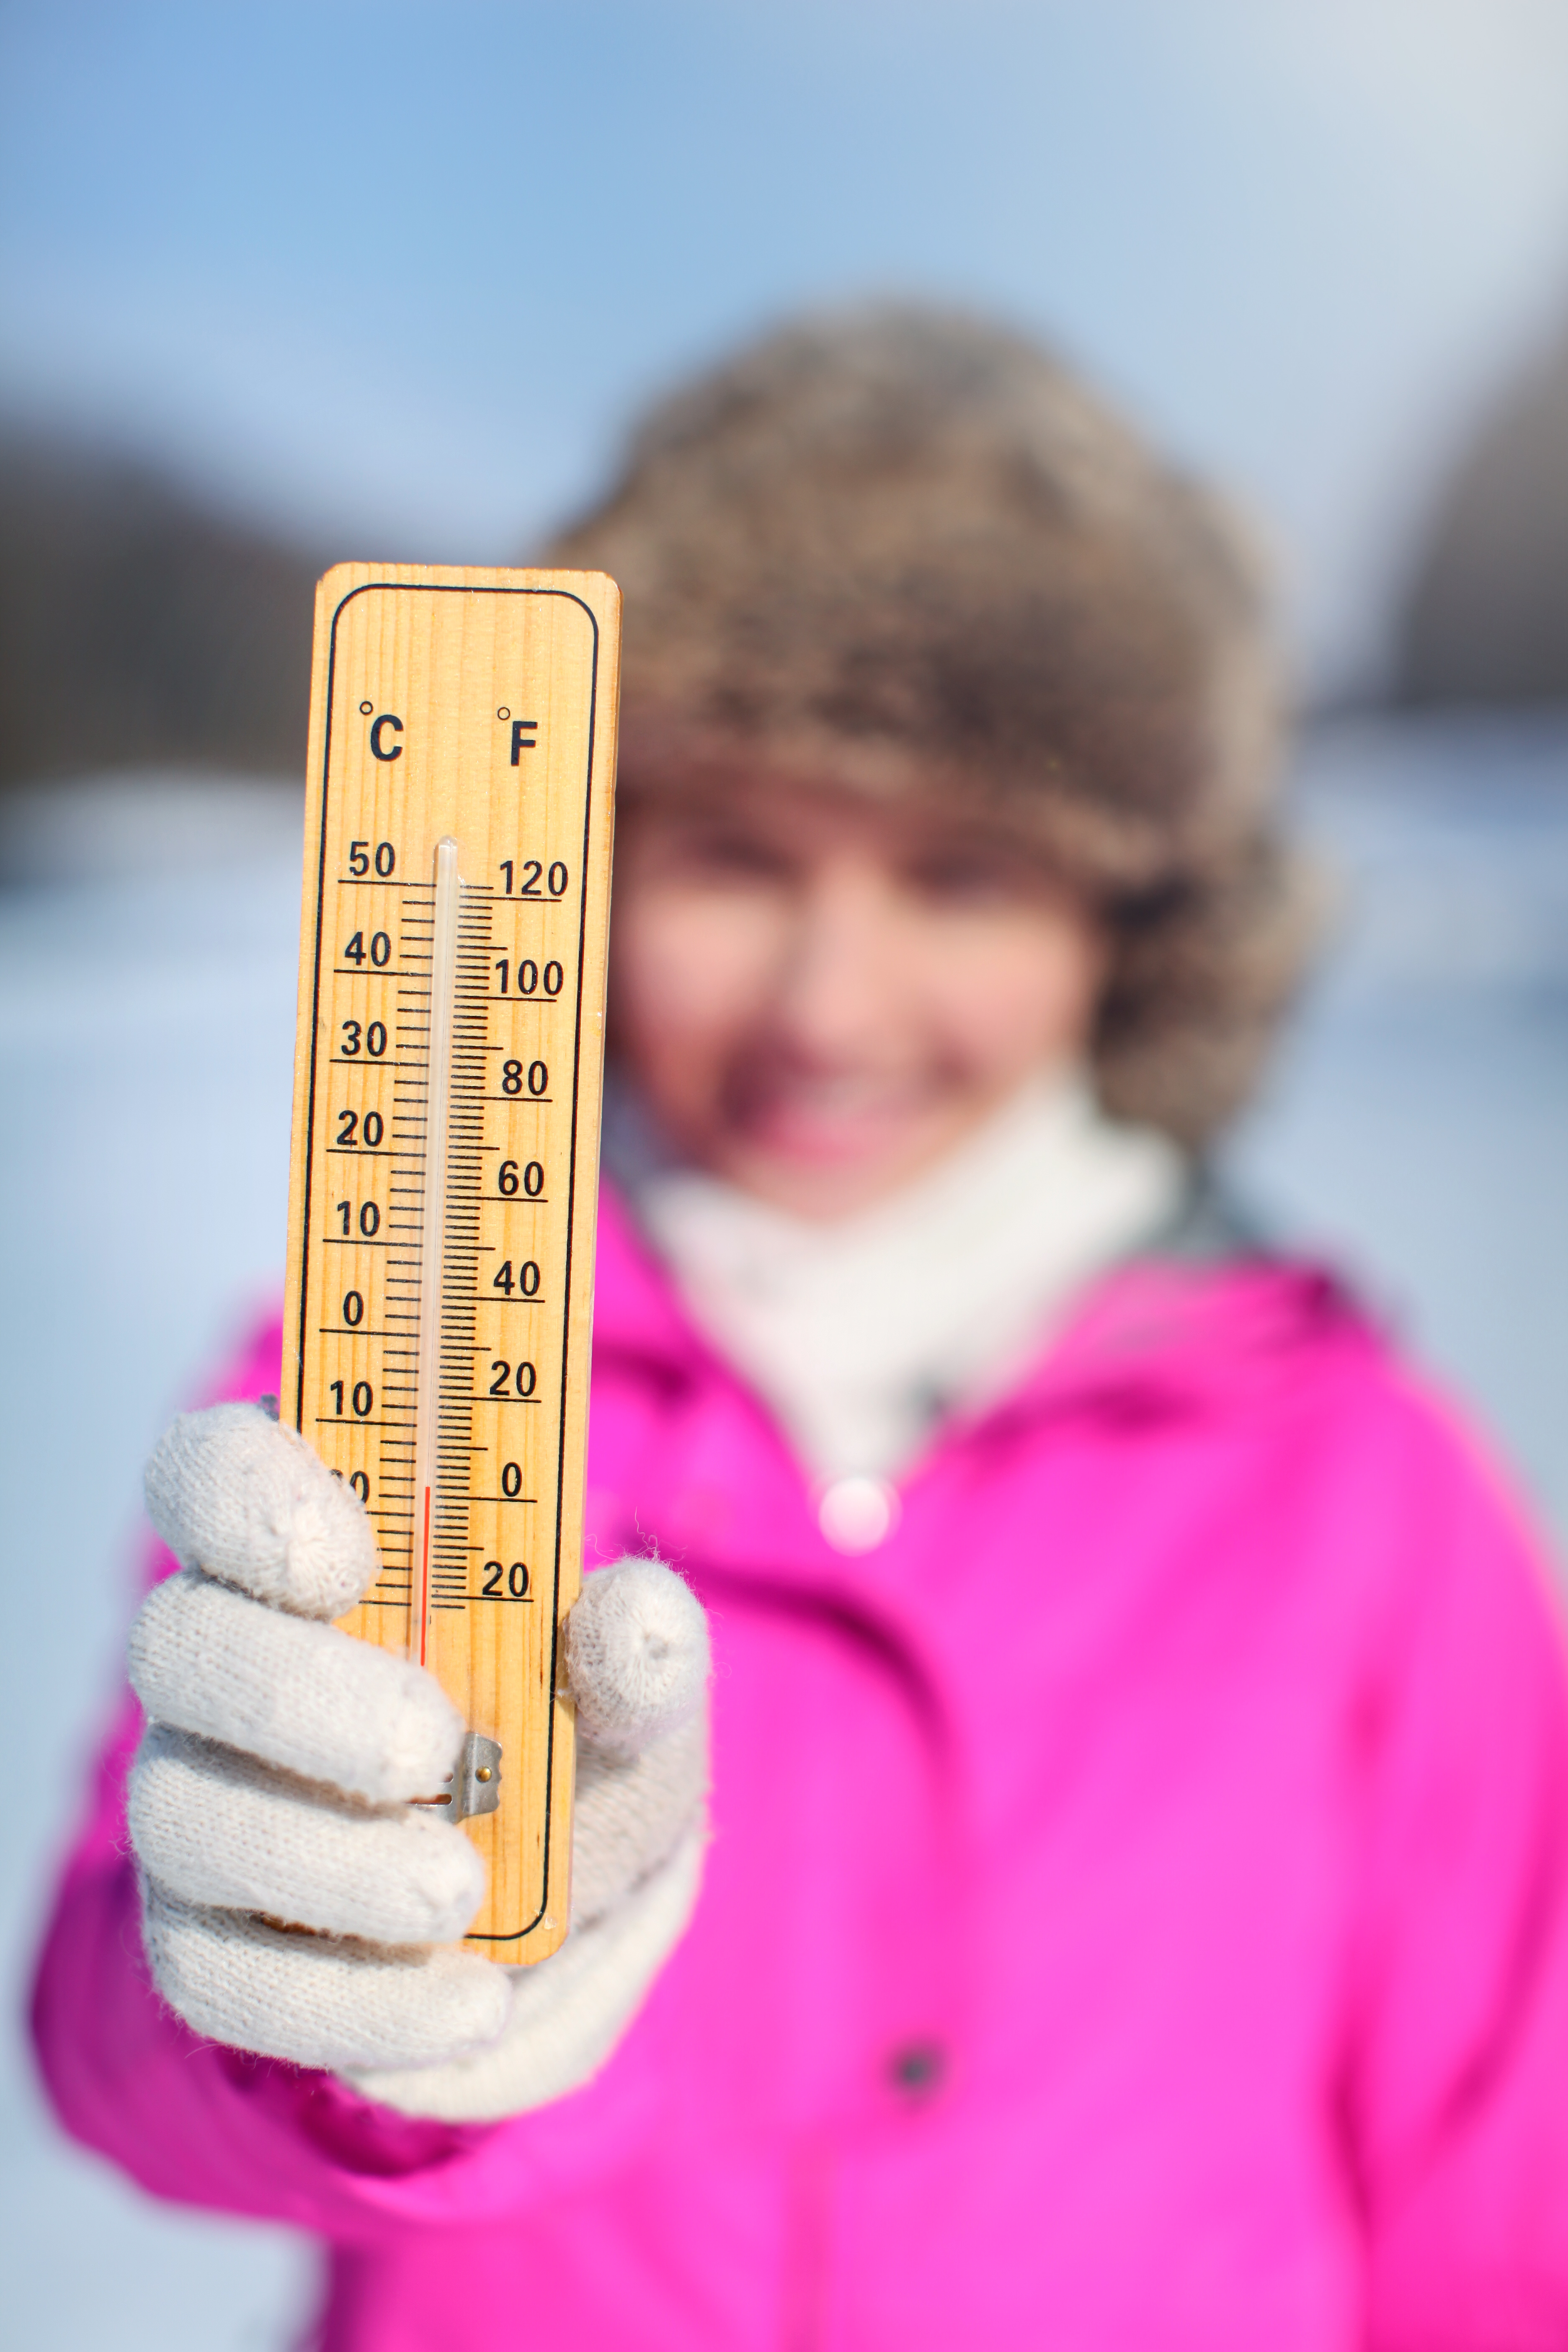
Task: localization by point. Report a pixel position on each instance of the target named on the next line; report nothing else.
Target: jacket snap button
(918, 2068)
(856, 1513)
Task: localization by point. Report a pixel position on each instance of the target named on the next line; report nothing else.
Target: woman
(1135, 1911)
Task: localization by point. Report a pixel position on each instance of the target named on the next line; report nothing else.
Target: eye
(965, 877)
(732, 854)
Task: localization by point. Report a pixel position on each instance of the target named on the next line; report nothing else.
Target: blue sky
(398, 273)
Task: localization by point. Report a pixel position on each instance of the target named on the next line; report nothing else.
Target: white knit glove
(294, 1900)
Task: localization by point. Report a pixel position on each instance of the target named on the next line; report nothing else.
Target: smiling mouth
(831, 1118)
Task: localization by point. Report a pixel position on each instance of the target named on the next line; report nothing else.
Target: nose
(837, 977)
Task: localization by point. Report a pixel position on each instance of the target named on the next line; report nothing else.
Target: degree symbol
(503, 712)
(365, 708)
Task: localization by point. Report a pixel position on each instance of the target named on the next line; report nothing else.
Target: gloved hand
(270, 1796)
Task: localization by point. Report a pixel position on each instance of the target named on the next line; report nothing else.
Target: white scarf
(863, 1332)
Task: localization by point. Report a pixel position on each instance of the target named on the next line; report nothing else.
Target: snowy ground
(1417, 1130)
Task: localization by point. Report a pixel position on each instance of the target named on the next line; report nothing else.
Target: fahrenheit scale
(444, 1168)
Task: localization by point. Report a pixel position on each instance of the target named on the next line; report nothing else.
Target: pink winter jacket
(1137, 1915)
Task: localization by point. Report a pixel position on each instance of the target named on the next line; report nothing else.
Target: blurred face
(819, 998)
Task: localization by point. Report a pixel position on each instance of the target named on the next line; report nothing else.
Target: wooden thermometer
(444, 1169)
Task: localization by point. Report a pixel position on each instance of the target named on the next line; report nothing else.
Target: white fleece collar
(863, 1333)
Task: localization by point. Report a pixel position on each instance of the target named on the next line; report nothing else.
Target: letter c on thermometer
(386, 720)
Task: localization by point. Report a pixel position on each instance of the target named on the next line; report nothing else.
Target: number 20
(516, 1581)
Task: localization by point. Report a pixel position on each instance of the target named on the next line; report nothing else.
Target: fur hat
(911, 551)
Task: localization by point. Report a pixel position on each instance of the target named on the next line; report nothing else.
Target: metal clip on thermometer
(445, 1171)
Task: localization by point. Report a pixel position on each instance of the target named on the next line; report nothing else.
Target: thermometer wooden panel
(444, 1170)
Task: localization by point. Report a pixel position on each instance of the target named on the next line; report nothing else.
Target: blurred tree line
(1487, 618)
(138, 628)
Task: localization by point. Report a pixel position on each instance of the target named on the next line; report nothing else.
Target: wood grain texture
(479, 706)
